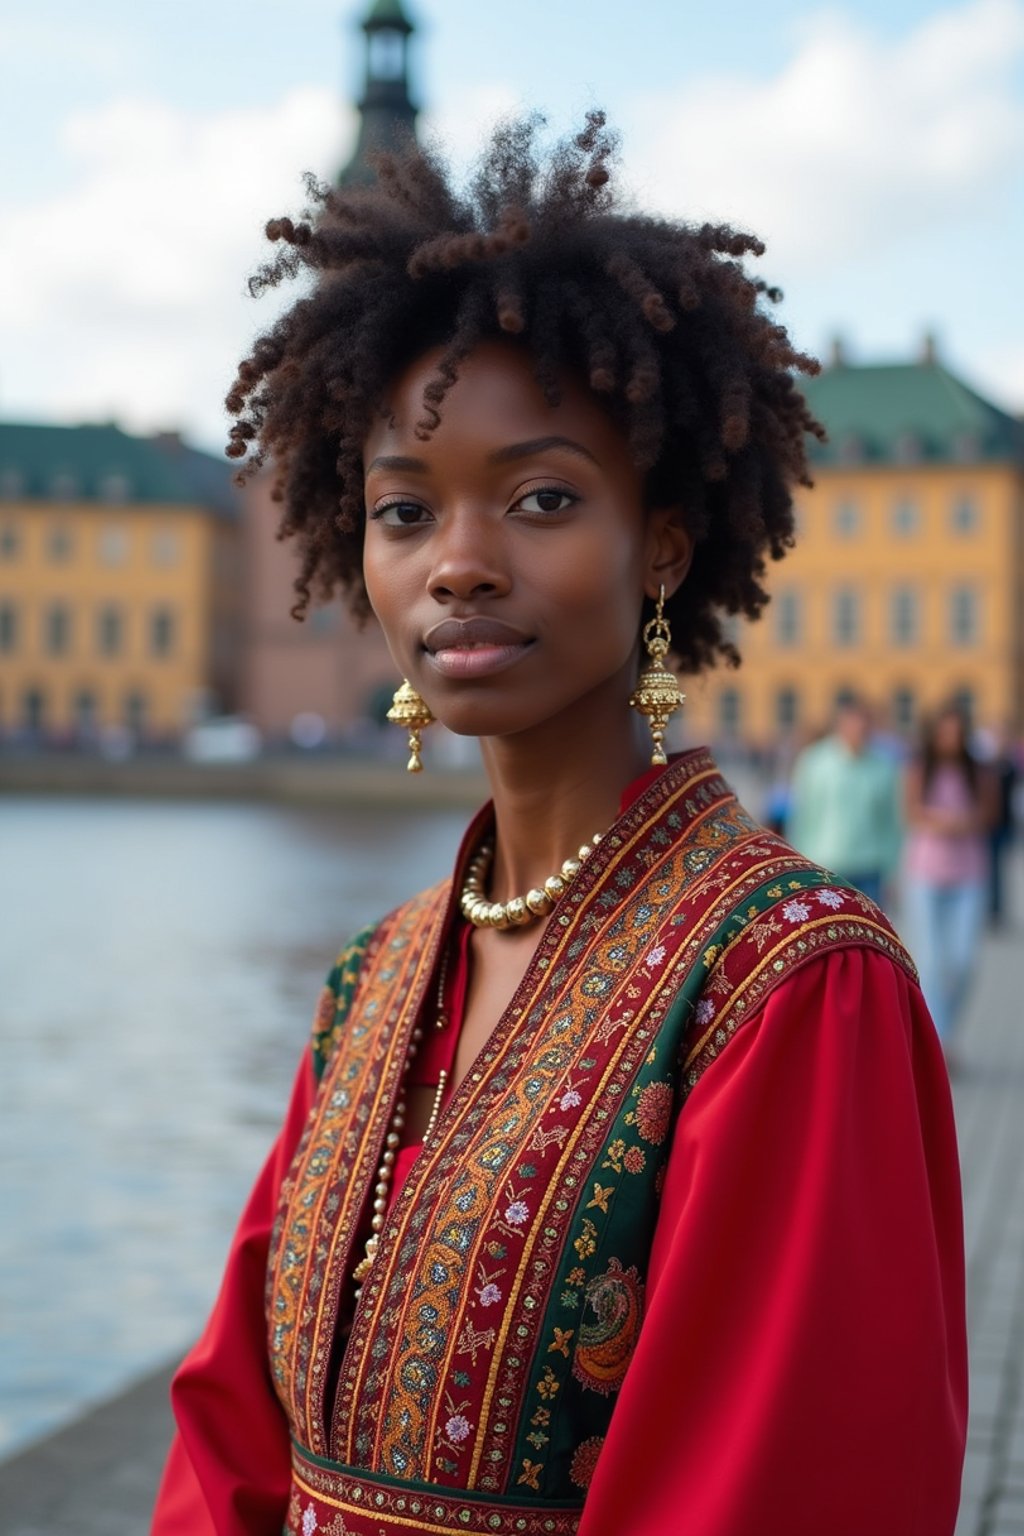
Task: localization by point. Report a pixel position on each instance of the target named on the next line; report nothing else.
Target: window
(964, 516)
(63, 486)
(161, 632)
(84, 708)
(787, 616)
(135, 712)
(114, 487)
(963, 615)
(59, 544)
(8, 628)
(906, 517)
(963, 698)
(903, 616)
(846, 519)
(110, 631)
(387, 53)
(165, 549)
(787, 708)
(113, 544)
(730, 711)
(10, 541)
(904, 708)
(58, 630)
(846, 616)
(33, 709)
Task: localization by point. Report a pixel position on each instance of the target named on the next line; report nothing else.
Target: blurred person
(950, 809)
(845, 804)
(618, 1193)
(995, 750)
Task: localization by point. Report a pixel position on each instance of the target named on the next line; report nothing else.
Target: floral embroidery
(584, 1461)
(656, 955)
(561, 1341)
(586, 1243)
(635, 1160)
(571, 1098)
(549, 1383)
(705, 1011)
(796, 911)
(488, 1292)
(517, 1213)
(829, 898)
(576, 1276)
(531, 1473)
(616, 1152)
(309, 1521)
(458, 1428)
(600, 1199)
(654, 1112)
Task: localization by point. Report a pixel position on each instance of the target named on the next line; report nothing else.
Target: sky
(876, 145)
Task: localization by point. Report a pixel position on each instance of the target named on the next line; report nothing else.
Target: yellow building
(907, 580)
(119, 584)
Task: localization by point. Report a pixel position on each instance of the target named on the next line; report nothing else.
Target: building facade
(905, 584)
(120, 601)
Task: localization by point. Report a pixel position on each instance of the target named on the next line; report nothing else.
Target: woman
(950, 807)
(620, 1194)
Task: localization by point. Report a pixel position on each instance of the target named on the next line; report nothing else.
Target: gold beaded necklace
(537, 902)
(393, 1141)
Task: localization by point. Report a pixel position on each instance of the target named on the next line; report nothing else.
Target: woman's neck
(557, 785)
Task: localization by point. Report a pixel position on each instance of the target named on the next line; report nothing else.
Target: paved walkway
(97, 1478)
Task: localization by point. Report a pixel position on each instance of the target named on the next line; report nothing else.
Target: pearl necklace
(385, 1173)
(538, 902)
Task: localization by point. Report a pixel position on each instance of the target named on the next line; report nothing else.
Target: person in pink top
(948, 813)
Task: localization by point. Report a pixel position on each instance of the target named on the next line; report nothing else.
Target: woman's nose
(468, 560)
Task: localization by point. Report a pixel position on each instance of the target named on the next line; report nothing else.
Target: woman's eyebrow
(396, 461)
(539, 445)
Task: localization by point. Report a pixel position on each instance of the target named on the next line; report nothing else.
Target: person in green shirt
(845, 810)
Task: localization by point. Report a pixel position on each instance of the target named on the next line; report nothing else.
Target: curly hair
(659, 318)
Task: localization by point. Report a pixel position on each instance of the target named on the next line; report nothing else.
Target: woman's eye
(547, 499)
(400, 514)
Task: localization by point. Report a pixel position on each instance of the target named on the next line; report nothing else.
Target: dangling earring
(413, 714)
(657, 695)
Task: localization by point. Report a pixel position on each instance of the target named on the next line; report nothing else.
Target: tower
(386, 109)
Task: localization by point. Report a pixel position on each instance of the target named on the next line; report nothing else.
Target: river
(159, 963)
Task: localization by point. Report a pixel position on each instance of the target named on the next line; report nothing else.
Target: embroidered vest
(496, 1327)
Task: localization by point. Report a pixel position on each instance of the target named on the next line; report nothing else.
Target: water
(159, 963)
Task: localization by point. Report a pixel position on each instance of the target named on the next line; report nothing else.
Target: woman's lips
(477, 660)
(475, 646)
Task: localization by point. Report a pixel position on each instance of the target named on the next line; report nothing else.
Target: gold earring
(657, 695)
(413, 714)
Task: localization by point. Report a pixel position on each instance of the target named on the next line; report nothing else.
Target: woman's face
(508, 555)
(949, 734)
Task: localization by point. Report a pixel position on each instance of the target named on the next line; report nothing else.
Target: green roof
(908, 413)
(104, 464)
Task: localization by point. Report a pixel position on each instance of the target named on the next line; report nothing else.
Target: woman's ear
(669, 550)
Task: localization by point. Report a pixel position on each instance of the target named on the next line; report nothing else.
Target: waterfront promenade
(98, 1476)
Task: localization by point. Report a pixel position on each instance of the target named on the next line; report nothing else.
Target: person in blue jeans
(949, 808)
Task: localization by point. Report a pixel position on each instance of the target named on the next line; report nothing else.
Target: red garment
(801, 1368)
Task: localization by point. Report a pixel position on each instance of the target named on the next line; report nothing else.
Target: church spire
(386, 109)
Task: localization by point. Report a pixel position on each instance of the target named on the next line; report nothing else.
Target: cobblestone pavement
(97, 1478)
(989, 1096)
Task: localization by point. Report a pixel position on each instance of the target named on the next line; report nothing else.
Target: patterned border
(337, 1495)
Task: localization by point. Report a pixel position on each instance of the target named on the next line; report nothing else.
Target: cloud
(857, 145)
(122, 292)
(124, 295)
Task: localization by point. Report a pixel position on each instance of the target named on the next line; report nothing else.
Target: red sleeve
(802, 1364)
(228, 1472)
